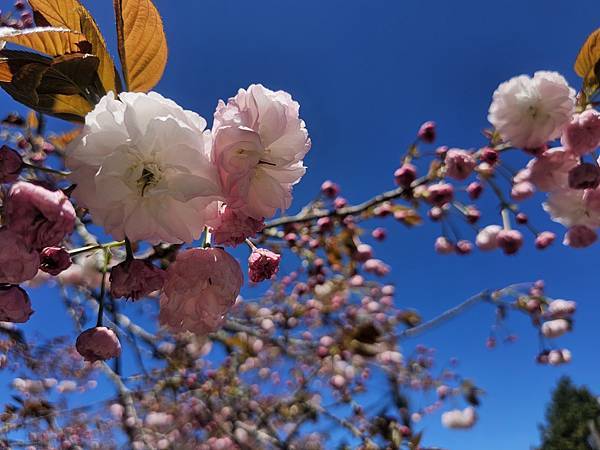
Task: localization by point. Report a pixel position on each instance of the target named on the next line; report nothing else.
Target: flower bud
(580, 236)
(555, 328)
(10, 165)
(522, 218)
(135, 279)
(584, 176)
(379, 234)
(487, 238)
(510, 241)
(98, 344)
(544, 239)
(427, 132)
(363, 252)
(582, 134)
(443, 246)
(263, 264)
(405, 175)
(474, 190)
(463, 247)
(54, 260)
(330, 189)
(489, 155)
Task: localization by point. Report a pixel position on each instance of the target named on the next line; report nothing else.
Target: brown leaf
(142, 43)
(58, 87)
(71, 14)
(587, 59)
(49, 40)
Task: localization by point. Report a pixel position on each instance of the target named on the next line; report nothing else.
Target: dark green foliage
(568, 418)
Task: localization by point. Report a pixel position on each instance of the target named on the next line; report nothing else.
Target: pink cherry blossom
(201, 286)
(232, 227)
(17, 262)
(459, 164)
(98, 344)
(558, 309)
(487, 238)
(263, 264)
(582, 134)
(510, 241)
(15, 306)
(550, 170)
(42, 217)
(259, 144)
(555, 328)
(135, 279)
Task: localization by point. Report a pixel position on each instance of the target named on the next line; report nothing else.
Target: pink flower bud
(439, 194)
(464, 247)
(440, 152)
(522, 191)
(427, 132)
(459, 164)
(363, 252)
(98, 344)
(340, 202)
(330, 189)
(17, 262)
(582, 134)
(379, 234)
(15, 305)
(54, 260)
(474, 190)
(510, 241)
(435, 213)
(522, 218)
(487, 237)
(580, 236)
(42, 217)
(10, 165)
(135, 279)
(584, 176)
(558, 309)
(376, 267)
(405, 175)
(443, 246)
(263, 264)
(489, 155)
(472, 215)
(555, 328)
(544, 239)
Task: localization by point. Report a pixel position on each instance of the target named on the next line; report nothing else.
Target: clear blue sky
(367, 73)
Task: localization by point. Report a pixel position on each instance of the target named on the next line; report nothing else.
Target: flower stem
(46, 169)
(90, 248)
(207, 238)
(102, 288)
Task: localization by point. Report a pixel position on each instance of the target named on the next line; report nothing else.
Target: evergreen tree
(569, 415)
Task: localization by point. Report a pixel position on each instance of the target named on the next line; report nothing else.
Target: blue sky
(366, 74)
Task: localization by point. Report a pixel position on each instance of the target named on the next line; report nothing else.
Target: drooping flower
(580, 236)
(510, 241)
(54, 260)
(263, 264)
(10, 165)
(15, 305)
(574, 207)
(584, 176)
(232, 227)
(259, 144)
(98, 344)
(200, 288)
(460, 419)
(530, 111)
(142, 167)
(550, 170)
(135, 279)
(582, 134)
(17, 262)
(41, 217)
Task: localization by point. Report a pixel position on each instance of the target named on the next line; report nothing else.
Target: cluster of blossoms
(147, 170)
